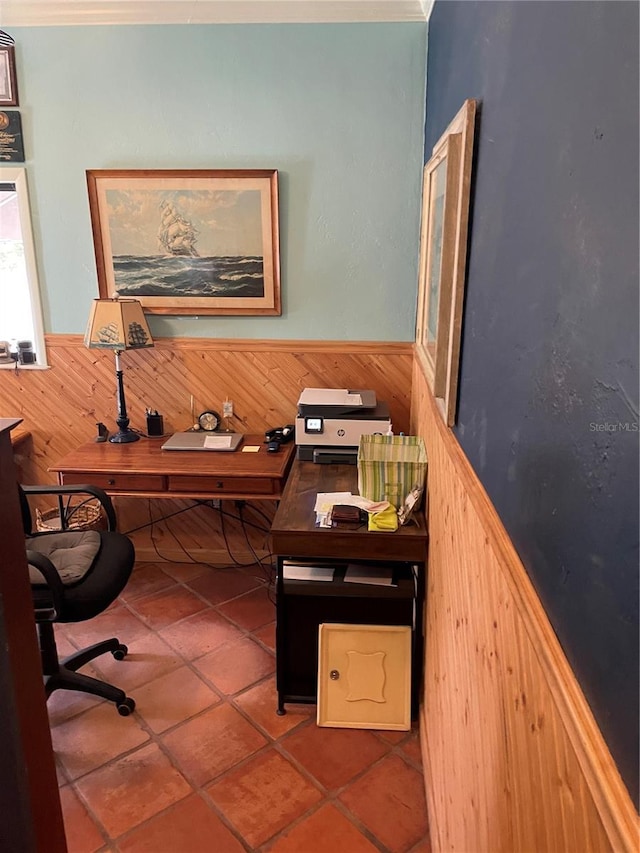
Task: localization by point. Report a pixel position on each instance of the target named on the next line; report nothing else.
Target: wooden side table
(302, 605)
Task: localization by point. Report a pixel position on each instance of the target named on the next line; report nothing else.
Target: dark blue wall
(548, 406)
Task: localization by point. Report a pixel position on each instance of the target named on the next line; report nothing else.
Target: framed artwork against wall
(188, 241)
(437, 255)
(8, 80)
(443, 256)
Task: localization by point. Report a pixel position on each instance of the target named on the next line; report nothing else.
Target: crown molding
(31, 13)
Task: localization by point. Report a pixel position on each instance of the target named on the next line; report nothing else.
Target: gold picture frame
(188, 241)
(443, 256)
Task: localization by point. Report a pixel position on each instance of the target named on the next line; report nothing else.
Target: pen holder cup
(155, 425)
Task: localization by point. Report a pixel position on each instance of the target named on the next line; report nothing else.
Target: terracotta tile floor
(205, 765)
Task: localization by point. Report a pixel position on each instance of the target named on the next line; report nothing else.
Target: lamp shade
(117, 324)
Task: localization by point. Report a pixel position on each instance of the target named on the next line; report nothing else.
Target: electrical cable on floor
(156, 520)
(210, 505)
(179, 544)
(206, 503)
(243, 522)
(150, 524)
(268, 571)
(236, 563)
(262, 513)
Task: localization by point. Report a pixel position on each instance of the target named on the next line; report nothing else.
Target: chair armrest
(52, 580)
(94, 491)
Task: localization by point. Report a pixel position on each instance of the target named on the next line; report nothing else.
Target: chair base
(62, 675)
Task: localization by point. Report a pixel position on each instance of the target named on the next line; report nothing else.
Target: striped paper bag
(390, 466)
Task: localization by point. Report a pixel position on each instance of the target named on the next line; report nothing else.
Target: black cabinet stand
(303, 604)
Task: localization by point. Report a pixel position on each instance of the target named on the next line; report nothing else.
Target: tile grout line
(276, 742)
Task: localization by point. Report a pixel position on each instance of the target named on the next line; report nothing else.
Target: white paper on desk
(367, 505)
(296, 572)
(217, 442)
(325, 500)
(379, 576)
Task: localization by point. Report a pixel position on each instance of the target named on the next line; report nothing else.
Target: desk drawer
(117, 482)
(213, 485)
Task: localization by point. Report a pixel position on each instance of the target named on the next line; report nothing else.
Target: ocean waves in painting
(161, 275)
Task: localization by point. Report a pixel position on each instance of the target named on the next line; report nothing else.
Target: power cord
(266, 572)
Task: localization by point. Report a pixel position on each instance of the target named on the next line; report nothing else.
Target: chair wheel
(126, 707)
(120, 652)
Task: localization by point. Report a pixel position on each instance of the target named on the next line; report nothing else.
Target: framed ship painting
(188, 242)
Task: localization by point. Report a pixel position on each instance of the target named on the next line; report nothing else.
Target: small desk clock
(208, 421)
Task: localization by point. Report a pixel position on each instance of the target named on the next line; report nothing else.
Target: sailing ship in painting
(180, 270)
(177, 236)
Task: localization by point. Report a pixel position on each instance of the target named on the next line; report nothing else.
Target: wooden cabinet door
(364, 676)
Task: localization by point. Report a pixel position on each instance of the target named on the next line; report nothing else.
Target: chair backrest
(27, 521)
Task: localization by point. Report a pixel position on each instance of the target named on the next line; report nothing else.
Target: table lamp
(118, 324)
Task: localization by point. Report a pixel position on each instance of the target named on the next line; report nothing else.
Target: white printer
(330, 422)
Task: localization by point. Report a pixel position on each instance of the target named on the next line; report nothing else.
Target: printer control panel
(314, 425)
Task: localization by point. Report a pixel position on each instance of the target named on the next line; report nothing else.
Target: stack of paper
(378, 575)
(301, 572)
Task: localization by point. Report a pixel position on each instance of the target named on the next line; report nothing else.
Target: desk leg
(280, 638)
(417, 663)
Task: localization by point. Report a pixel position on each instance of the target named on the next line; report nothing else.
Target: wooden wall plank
(61, 406)
(514, 760)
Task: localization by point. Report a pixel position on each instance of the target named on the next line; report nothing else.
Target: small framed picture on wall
(8, 82)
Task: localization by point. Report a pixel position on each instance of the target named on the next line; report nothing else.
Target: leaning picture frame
(443, 258)
(8, 79)
(437, 251)
(188, 241)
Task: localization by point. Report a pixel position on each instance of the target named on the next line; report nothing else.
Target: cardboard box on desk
(390, 466)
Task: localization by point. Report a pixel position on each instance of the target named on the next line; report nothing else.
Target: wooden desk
(143, 469)
(301, 606)
(294, 530)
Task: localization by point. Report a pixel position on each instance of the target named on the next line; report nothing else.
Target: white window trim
(18, 176)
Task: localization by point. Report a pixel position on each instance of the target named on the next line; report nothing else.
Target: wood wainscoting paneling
(263, 378)
(514, 760)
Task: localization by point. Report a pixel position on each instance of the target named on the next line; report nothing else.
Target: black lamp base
(124, 434)
(124, 437)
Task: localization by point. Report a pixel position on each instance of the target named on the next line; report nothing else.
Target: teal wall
(338, 109)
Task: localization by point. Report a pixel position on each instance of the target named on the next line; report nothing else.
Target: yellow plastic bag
(386, 520)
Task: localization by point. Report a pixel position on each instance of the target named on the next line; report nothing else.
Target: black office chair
(75, 575)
